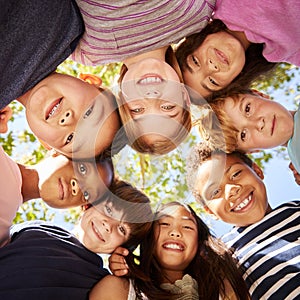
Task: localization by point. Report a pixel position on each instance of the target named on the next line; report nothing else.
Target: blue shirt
(293, 145)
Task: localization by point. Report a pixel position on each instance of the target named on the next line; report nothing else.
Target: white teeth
(150, 80)
(173, 246)
(244, 203)
(53, 109)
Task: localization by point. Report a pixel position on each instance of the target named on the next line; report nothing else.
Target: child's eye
(215, 193)
(108, 210)
(188, 227)
(167, 107)
(88, 112)
(236, 174)
(247, 109)
(163, 224)
(70, 138)
(243, 135)
(86, 196)
(212, 81)
(195, 61)
(137, 110)
(122, 229)
(82, 169)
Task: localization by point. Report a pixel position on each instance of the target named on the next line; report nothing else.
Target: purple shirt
(274, 23)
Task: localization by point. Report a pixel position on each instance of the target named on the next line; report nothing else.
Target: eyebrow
(188, 219)
(242, 104)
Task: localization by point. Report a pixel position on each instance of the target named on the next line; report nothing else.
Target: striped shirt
(269, 253)
(116, 30)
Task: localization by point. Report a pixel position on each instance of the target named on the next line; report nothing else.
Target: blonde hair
(216, 128)
(139, 142)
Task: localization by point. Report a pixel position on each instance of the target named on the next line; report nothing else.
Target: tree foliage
(161, 178)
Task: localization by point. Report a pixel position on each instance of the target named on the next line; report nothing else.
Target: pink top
(272, 22)
(10, 197)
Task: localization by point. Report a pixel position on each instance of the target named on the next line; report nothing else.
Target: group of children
(217, 61)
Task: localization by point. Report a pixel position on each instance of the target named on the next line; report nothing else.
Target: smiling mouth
(244, 204)
(60, 189)
(222, 57)
(53, 108)
(273, 125)
(173, 246)
(97, 232)
(150, 79)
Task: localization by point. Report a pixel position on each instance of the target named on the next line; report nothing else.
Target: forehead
(212, 171)
(178, 213)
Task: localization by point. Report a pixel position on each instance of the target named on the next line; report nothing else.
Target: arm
(5, 115)
(229, 292)
(117, 263)
(110, 288)
(296, 174)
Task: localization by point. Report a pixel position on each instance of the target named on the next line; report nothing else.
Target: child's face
(261, 123)
(176, 239)
(216, 62)
(102, 230)
(232, 191)
(63, 111)
(63, 183)
(155, 97)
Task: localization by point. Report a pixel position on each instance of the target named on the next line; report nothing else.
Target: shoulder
(110, 288)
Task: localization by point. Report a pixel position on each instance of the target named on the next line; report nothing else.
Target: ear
(253, 151)
(186, 96)
(45, 145)
(258, 171)
(91, 79)
(261, 94)
(207, 210)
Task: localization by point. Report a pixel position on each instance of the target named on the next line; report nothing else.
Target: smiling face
(102, 229)
(176, 240)
(64, 184)
(215, 63)
(261, 123)
(155, 98)
(62, 109)
(231, 190)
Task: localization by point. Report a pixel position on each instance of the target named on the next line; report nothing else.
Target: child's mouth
(244, 204)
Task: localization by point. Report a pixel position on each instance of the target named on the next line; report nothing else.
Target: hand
(186, 288)
(5, 115)
(296, 174)
(117, 262)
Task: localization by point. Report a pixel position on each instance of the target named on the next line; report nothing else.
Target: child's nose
(232, 190)
(260, 124)
(66, 118)
(75, 187)
(174, 233)
(107, 226)
(213, 66)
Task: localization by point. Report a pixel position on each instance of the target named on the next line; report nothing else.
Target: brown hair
(211, 265)
(137, 212)
(139, 142)
(201, 153)
(255, 65)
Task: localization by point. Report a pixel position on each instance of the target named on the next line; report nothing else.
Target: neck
(170, 276)
(30, 181)
(158, 54)
(23, 98)
(242, 38)
(292, 112)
